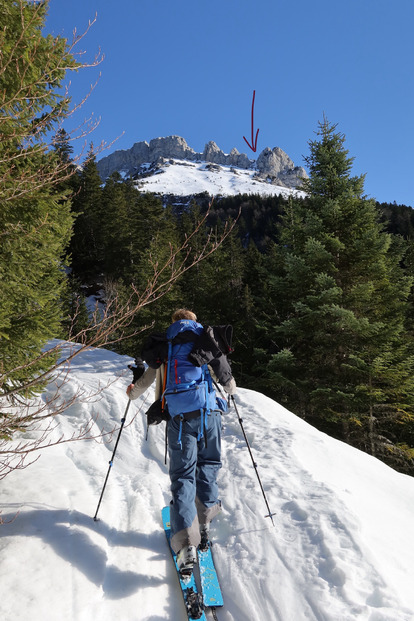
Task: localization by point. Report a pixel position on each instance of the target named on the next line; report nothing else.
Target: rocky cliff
(272, 165)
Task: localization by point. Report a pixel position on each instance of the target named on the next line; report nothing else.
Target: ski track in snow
(323, 560)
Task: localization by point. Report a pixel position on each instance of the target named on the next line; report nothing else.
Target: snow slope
(185, 178)
(341, 549)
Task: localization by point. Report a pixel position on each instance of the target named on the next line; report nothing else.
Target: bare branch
(107, 327)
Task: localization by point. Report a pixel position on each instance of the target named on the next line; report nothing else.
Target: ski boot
(186, 558)
(205, 534)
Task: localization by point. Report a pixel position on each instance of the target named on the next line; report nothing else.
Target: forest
(319, 290)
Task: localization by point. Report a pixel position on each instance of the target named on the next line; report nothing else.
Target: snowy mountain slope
(143, 159)
(341, 549)
(184, 178)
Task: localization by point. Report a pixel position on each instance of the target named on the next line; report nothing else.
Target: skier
(193, 426)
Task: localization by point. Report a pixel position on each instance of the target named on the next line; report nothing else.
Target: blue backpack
(188, 388)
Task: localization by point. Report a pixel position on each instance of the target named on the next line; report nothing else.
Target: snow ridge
(184, 178)
(341, 549)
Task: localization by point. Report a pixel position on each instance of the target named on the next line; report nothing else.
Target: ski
(210, 587)
(192, 598)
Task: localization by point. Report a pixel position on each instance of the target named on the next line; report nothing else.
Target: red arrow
(252, 146)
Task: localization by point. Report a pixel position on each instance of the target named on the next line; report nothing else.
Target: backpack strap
(167, 367)
(164, 383)
(205, 412)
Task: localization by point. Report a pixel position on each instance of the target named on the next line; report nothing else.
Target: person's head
(183, 313)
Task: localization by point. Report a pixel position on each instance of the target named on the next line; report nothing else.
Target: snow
(341, 549)
(184, 178)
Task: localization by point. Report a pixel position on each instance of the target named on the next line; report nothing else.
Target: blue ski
(189, 590)
(210, 587)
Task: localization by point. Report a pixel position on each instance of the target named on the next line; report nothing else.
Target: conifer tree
(35, 218)
(62, 146)
(213, 288)
(247, 329)
(340, 355)
(145, 235)
(118, 198)
(87, 241)
(153, 237)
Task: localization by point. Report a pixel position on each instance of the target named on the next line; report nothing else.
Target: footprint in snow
(298, 514)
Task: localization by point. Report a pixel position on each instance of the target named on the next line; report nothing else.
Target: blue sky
(189, 68)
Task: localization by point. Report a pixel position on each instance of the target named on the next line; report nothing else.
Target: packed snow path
(341, 549)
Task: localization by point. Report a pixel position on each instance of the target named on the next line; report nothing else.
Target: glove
(230, 387)
(137, 370)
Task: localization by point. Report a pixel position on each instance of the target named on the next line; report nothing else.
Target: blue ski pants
(193, 466)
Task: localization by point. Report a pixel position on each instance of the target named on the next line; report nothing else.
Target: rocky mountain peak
(273, 165)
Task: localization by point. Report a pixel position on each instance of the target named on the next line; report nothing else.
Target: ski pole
(270, 514)
(112, 459)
